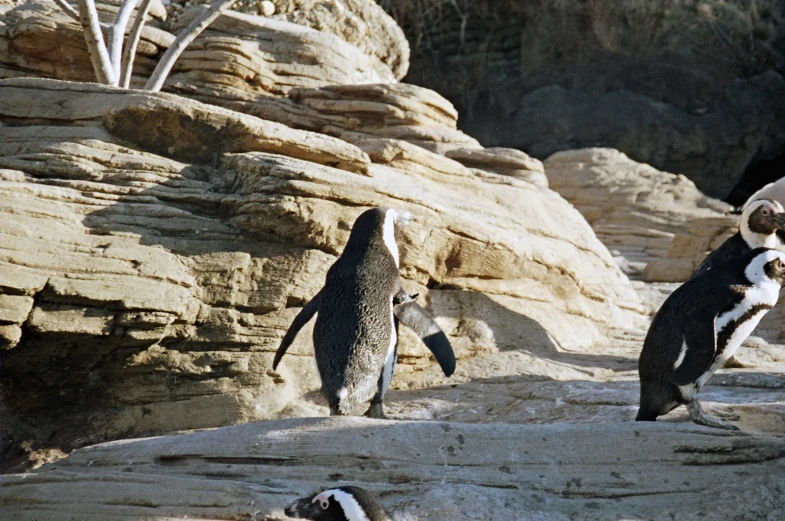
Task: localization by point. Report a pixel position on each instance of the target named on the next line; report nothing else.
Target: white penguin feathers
(351, 508)
(391, 218)
(756, 272)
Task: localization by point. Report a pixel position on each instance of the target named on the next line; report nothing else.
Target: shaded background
(689, 87)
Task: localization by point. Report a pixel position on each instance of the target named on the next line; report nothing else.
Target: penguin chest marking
(731, 329)
(731, 336)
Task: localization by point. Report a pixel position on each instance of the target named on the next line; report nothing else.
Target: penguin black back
(338, 504)
(354, 329)
(359, 309)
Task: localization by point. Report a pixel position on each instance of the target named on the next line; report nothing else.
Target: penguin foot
(726, 415)
(376, 410)
(701, 418)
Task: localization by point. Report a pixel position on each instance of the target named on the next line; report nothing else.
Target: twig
(69, 9)
(116, 33)
(88, 17)
(193, 30)
(129, 52)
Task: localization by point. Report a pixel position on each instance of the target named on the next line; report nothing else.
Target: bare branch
(69, 9)
(188, 34)
(129, 52)
(116, 33)
(88, 17)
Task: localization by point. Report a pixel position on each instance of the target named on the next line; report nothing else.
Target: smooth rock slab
(437, 471)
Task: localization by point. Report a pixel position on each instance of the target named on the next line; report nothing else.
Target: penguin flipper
(416, 318)
(302, 318)
(700, 342)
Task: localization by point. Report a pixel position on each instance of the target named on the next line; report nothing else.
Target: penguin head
(760, 219)
(377, 227)
(766, 265)
(337, 504)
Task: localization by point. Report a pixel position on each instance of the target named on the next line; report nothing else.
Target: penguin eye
(765, 212)
(325, 504)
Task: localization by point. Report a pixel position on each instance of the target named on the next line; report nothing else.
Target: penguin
(774, 191)
(337, 504)
(358, 310)
(700, 326)
(762, 221)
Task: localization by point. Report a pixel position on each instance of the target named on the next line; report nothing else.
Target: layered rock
(361, 23)
(38, 39)
(265, 56)
(633, 208)
(271, 68)
(162, 246)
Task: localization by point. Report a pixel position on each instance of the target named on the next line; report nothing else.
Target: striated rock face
(633, 208)
(455, 471)
(361, 23)
(38, 39)
(155, 249)
(266, 56)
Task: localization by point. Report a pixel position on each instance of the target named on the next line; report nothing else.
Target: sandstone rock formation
(161, 246)
(361, 23)
(633, 208)
(689, 87)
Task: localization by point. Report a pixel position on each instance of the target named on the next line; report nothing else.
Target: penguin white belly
(389, 362)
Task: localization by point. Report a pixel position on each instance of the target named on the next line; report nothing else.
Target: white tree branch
(129, 52)
(116, 33)
(88, 17)
(188, 34)
(69, 9)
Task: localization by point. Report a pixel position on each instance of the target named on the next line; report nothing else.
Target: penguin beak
(779, 221)
(299, 508)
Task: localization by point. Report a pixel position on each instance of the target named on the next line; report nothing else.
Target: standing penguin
(337, 504)
(700, 326)
(761, 225)
(355, 336)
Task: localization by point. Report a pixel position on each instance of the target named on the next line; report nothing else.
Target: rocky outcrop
(361, 23)
(264, 56)
(454, 471)
(548, 76)
(38, 39)
(162, 246)
(359, 112)
(634, 209)
(267, 67)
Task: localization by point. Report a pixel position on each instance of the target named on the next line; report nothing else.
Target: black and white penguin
(762, 225)
(337, 504)
(700, 326)
(355, 336)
